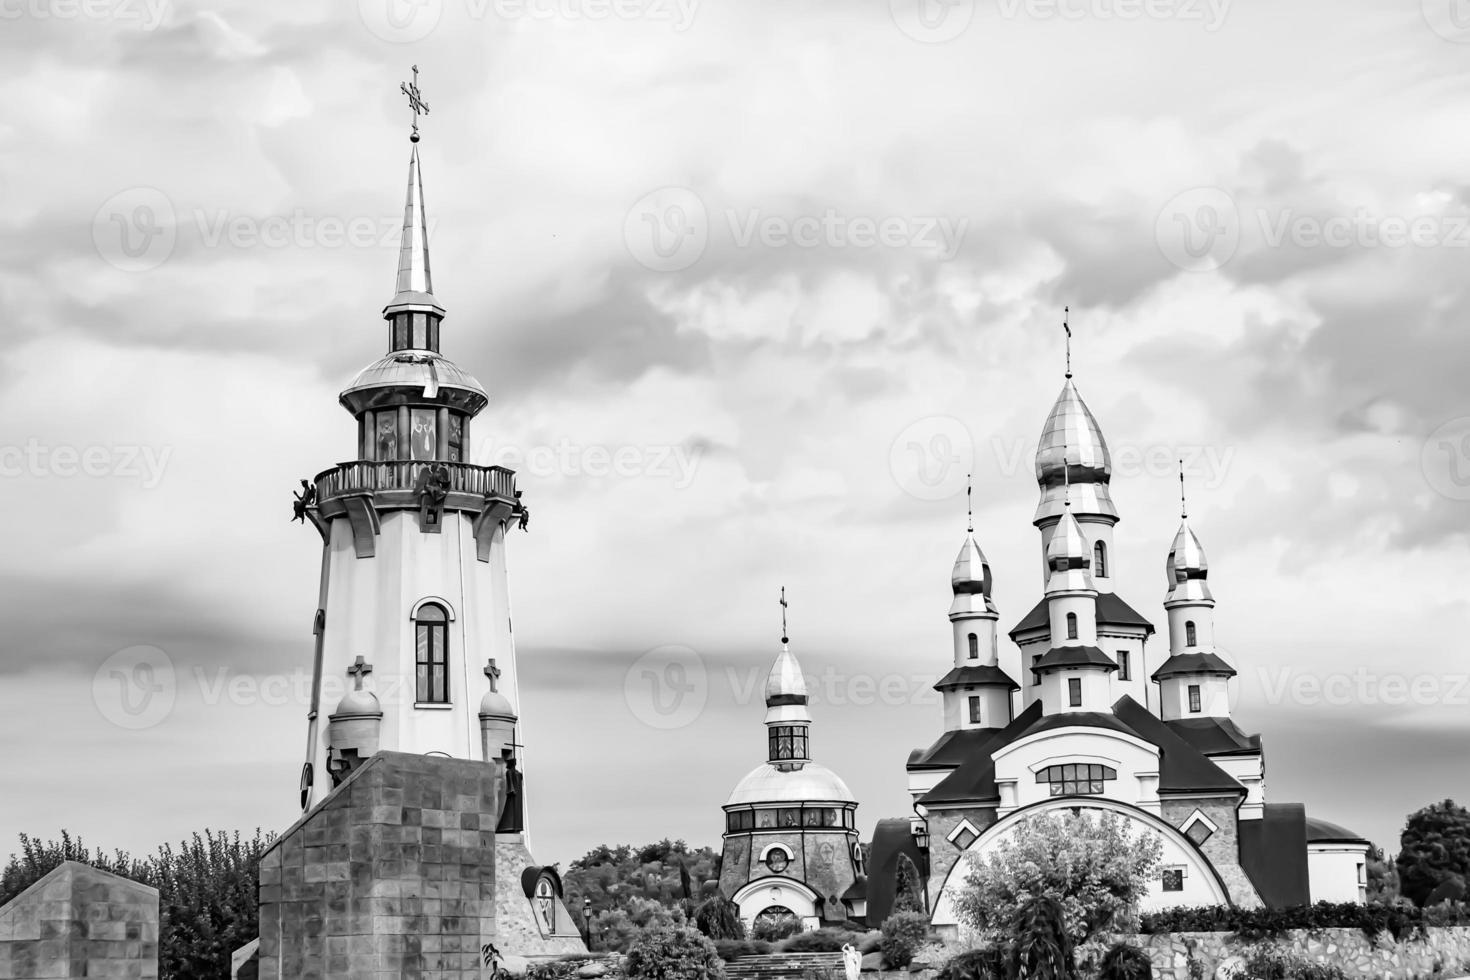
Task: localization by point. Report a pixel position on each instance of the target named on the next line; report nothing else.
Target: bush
(774, 928)
(1126, 962)
(990, 963)
(903, 934)
(1272, 965)
(870, 941)
(1399, 921)
(1043, 949)
(719, 918)
(618, 929)
(673, 954)
(827, 940)
(733, 949)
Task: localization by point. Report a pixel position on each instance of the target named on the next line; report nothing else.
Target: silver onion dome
(971, 575)
(1072, 449)
(785, 683)
(1186, 567)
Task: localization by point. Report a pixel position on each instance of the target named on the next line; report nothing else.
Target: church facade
(1078, 712)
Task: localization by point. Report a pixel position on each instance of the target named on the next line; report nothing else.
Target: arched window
(1080, 779)
(1071, 626)
(974, 647)
(1100, 560)
(1189, 634)
(431, 644)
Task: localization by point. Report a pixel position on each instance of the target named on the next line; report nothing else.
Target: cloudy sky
(796, 267)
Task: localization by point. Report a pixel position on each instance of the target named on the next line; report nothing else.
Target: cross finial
(970, 501)
(784, 637)
(1066, 476)
(1183, 504)
(415, 101)
(360, 668)
(493, 673)
(1066, 316)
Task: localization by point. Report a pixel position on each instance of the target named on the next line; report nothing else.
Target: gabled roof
(1111, 611)
(976, 677)
(1273, 853)
(974, 780)
(951, 749)
(1193, 663)
(1182, 768)
(1215, 736)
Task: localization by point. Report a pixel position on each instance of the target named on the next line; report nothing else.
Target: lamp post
(587, 920)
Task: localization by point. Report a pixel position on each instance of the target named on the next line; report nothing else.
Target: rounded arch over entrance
(777, 892)
(1201, 883)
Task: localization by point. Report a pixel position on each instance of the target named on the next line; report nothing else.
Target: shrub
(989, 963)
(618, 929)
(733, 949)
(1043, 949)
(774, 928)
(827, 940)
(1434, 847)
(903, 934)
(673, 954)
(1398, 920)
(870, 941)
(1272, 965)
(719, 918)
(1126, 962)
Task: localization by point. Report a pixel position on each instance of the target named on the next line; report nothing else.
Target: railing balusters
(368, 476)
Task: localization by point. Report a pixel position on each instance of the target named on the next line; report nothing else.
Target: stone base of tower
(397, 872)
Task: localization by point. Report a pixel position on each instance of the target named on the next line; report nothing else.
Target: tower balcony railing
(409, 475)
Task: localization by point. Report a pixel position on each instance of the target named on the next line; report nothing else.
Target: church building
(1077, 712)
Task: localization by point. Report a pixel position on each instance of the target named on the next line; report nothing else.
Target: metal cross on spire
(415, 101)
(784, 637)
(970, 501)
(1066, 476)
(1067, 315)
(1183, 504)
(493, 673)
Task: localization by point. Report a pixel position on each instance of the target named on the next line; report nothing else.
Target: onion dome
(1068, 556)
(785, 684)
(812, 783)
(971, 574)
(1186, 567)
(1072, 449)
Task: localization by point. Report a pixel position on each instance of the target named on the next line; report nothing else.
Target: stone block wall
(1222, 847)
(1442, 951)
(78, 921)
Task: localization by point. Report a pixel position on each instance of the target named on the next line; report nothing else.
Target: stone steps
(785, 966)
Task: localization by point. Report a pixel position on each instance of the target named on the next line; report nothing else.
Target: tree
(38, 858)
(719, 918)
(908, 893)
(618, 929)
(614, 877)
(1383, 877)
(674, 954)
(1091, 865)
(1434, 848)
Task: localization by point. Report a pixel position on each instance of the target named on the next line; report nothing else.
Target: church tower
(413, 627)
(1073, 674)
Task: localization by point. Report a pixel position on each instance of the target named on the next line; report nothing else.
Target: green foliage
(1383, 877)
(1434, 846)
(908, 894)
(903, 934)
(207, 892)
(774, 928)
(614, 877)
(1274, 965)
(733, 949)
(820, 941)
(564, 967)
(719, 918)
(1123, 961)
(673, 954)
(989, 963)
(619, 928)
(1093, 866)
(1399, 921)
(1043, 948)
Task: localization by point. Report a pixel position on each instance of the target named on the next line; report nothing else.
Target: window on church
(1125, 667)
(1194, 698)
(1100, 560)
(1189, 635)
(1074, 692)
(788, 742)
(1071, 626)
(974, 647)
(1076, 779)
(741, 820)
(431, 640)
(974, 710)
(456, 437)
(387, 435)
(789, 817)
(424, 438)
(1199, 832)
(777, 860)
(1173, 879)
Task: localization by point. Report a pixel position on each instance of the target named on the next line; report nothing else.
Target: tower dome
(971, 575)
(785, 684)
(1186, 567)
(1072, 449)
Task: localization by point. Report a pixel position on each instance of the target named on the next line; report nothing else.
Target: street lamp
(587, 920)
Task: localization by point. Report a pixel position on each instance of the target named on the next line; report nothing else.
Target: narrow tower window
(1071, 626)
(1125, 667)
(974, 710)
(431, 641)
(1074, 692)
(974, 647)
(1189, 634)
(1100, 560)
(1194, 699)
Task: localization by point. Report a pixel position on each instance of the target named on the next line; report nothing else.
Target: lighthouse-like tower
(413, 631)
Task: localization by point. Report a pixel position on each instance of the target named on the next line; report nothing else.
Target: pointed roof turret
(1072, 449)
(1186, 567)
(414, 288)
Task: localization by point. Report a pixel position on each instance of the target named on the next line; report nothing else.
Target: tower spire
(1067, 315)
(414, 288)
(785, 639)
(1183, 504)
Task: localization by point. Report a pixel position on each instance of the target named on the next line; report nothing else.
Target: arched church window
(1100, 560)
(1189, 634)
(1071, 626)
(1077, 779)
(974, 647)
(431, 654)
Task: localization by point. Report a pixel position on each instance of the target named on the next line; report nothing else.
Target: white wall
(1333, 871)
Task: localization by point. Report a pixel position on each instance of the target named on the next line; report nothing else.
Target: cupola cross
(784, 637)
(1067, 315)
(360, 668)
(970, 501)
(493, 673)
(1183, 504)
(415, 101)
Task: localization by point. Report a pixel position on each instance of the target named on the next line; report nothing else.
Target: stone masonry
(1223, 846)
(78, 921)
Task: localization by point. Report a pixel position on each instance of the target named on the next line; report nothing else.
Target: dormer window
(974, 647)
(1189, 634)
(1071, 626)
